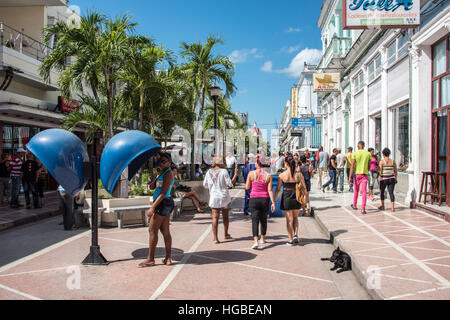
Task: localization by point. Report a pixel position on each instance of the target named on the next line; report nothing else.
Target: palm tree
(224, 116)
(205, 69)
(99, 49)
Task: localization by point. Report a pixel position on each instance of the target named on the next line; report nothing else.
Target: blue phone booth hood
(130, 149)
(63, 154)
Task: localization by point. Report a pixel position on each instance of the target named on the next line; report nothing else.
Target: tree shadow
(217, 256)
(142, 253)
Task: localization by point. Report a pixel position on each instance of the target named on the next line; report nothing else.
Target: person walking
(341, 162)
(67, 206)
(159, 213)
(373, 173)
(308, 173)
(360, 167)
(348, 157)
(42, 178)
(217, 181)
(313, 161)
(15, 166)
(289, 204)
(231, 164)
(332, 169)
(30, 173)
(248, 167)
(4, 177)
(388, 179)
(260, 184)
(322, 166)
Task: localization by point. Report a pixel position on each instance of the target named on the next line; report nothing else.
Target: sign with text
(303, 123)
(294, 103)
(327, 82)
(364, 14)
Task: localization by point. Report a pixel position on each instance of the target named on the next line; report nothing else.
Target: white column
(351, 129)
(384, 100)
(366, 107)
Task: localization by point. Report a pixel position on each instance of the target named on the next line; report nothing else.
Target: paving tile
(422, 254)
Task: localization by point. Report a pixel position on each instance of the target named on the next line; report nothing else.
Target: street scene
(245, 159)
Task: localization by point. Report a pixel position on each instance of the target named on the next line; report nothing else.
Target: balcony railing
(338, 48)
(22, 43)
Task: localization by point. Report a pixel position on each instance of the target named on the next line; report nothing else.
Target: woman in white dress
(218, 181)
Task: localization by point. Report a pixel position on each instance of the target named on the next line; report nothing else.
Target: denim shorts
(165, 207)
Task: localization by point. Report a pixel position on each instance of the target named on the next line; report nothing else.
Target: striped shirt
(16, 165)
(387, 172)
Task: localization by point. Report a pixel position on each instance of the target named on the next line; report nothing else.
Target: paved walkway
(10, 218)
(400, 255)
(203, 270)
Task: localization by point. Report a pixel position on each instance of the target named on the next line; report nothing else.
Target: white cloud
(291, 49)
(244, 91)
(291, 29)
(310, 56)
(239, 56)
(267, 67)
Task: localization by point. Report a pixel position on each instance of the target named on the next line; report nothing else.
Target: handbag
(300, 193)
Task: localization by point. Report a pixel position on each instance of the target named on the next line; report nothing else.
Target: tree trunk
(141, 108)
(200, 113)
(109, 98)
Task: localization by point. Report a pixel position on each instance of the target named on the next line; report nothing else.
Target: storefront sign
(294, 103)
(326, 82)
(67, 105)
(296, 132)
(362, 14)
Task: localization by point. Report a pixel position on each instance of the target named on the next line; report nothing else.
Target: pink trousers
(361, 181)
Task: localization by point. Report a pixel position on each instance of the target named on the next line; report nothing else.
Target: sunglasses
(163, 161)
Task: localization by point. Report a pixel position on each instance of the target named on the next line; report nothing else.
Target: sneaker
(262, 241)
(323, 190)
(255, 246)
(354, 208)
(363, 212)
(295, 239)
(246, 214)
(290, 244)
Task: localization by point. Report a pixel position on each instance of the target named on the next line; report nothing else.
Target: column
(366, 107)
(384, 99)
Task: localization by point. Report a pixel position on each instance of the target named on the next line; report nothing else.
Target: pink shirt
(259, 187)
(373, 164)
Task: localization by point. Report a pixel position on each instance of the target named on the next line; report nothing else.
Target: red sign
(68, 105)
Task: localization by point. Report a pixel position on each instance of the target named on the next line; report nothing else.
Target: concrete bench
(88, 212)
(122, 210)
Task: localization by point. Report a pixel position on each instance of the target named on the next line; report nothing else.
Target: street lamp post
(215, 92)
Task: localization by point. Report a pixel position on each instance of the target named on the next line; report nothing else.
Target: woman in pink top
(261, 187)
(373, 173)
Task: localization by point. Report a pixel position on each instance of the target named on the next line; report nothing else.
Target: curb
(356, 268)
(32, 218)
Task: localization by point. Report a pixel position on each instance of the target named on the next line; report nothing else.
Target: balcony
(336, 50)
(20, 3)
(25, 55)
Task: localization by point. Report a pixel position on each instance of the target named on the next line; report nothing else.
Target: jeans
(320, 174)
(27, 187)
(340, 179)
(230, 172)
(332, 180)
(361, 181)
(247, 199)
(15, 190)
(4, 186)
(348, 177)
(373, 176)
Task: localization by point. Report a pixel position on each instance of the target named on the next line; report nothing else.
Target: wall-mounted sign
(294, 103)
(303, 123)
(364, 14)
(326, 82)
(67, 105)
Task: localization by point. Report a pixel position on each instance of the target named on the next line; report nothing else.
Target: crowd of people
(21, 170)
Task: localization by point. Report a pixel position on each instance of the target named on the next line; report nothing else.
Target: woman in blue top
(159, 213)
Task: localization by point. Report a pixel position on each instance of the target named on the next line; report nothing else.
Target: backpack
(300, 192)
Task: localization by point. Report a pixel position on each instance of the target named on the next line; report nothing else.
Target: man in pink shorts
(360, 167)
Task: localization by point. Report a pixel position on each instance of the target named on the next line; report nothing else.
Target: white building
(386, 91)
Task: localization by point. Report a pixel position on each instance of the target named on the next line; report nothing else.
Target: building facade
(387, 97)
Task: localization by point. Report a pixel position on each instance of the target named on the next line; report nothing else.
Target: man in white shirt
(231, 164)
(341, 163)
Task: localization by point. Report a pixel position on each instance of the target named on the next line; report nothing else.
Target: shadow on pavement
(218, 256)
(141, 254)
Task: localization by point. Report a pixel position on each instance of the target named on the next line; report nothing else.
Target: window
(374, 68)
(439, 59)
(441, 75)
(398, 48)
(401, 135)
(359, 81)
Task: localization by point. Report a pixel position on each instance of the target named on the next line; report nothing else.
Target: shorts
(165, 207)
(308, 185)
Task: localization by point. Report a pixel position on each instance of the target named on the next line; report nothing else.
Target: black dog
(341, 260)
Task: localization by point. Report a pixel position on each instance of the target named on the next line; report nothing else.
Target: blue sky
(267, 40)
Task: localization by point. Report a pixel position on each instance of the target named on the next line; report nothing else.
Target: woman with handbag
(159, 213)
(291, 180)
(260, 184)
(388, 172)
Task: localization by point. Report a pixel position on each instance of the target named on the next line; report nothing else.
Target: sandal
(381, 208)
(146, 264)
(228, 237)
(216, 241)
(164, 261)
